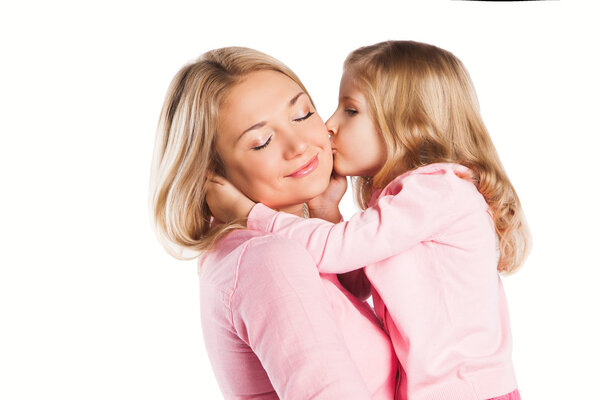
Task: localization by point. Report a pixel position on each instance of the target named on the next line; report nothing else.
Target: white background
(91, 307)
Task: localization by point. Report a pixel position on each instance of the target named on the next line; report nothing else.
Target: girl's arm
(425, 205)
(326, 207)
(356, 281)
(279, 308)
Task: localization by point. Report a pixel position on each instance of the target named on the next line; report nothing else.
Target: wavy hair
(424, 105)
(185, 152)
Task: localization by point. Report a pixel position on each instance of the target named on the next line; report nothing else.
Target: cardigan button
(462, 372)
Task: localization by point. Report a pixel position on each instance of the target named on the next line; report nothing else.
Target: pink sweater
(274, 328)
(429, 247)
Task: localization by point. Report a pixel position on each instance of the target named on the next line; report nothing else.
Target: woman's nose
(295, 145)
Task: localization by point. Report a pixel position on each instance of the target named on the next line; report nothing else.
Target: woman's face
(274, 146)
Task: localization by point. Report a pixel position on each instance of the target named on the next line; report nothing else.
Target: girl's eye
(262, 146)
(307, 116)
(351, 112)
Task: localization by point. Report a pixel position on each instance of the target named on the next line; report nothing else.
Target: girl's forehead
(349, 88)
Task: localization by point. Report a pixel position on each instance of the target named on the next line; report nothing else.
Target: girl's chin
(340, 168)
(343, 171)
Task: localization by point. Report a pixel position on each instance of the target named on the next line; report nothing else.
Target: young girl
(440, 219)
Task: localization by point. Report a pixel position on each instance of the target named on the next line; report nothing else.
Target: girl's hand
(325, 206)
(225, 201)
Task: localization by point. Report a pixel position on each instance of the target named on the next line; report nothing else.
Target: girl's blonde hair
(185, 152)
(423, 103)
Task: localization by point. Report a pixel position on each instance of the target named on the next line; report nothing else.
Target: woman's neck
(297, 209)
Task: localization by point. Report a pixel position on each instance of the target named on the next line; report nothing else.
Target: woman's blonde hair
(423, 103)
(185, 151)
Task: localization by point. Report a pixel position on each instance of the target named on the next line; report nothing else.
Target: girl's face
(358, 148)
(273, 144)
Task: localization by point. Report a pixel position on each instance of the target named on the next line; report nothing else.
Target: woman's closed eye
(265, 144)
(307, 116)
(262, 146)
(351, 112)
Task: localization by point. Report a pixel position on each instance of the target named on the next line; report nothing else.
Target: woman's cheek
(320, 129)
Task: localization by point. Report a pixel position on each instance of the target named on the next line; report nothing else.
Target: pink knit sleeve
(284, 316)
(423, 205)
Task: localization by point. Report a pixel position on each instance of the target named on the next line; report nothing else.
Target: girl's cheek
(343, 141)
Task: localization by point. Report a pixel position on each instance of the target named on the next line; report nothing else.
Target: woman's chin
(315, 189)
(318, 183)
(296, 194)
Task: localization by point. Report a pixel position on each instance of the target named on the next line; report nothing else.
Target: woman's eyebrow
(255, 126)
(263, 123)
(295, 98)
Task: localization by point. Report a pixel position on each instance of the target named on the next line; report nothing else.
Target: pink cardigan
(274, 328)
(429, 247)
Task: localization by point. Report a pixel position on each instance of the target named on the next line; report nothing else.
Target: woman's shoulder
(258, 267)
(265, 249)
(247, 251)
(249, 242)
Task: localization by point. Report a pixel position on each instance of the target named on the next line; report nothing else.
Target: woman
(273, 327)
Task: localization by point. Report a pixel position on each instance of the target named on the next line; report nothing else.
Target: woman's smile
(284, 159)
(306, 169)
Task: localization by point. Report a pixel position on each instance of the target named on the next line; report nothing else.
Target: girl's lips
(306, 169)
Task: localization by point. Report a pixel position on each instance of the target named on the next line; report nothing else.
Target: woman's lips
(306, 169)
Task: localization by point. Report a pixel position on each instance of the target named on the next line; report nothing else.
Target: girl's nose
(331, 127)
(331, 133)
